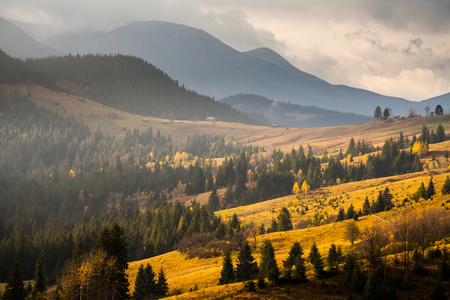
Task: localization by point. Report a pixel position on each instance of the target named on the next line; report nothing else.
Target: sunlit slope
(116, 122)
(186, 274)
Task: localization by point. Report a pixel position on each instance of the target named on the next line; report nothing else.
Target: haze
(396, 48)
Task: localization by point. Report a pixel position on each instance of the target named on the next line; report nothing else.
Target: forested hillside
(133, 85)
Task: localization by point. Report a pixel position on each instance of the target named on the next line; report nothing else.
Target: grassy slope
(184, 273)
(113, 122)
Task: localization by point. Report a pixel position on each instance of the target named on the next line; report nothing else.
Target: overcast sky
(393, 47)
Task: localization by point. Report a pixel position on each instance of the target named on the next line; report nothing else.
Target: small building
(145, 120)
(275, 125)
(210, 119)
(165, 122)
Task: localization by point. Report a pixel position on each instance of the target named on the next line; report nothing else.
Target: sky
(393, 47)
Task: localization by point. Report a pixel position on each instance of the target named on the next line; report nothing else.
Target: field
(195, 278)
(115, 122)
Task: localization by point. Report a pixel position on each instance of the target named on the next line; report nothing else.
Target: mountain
(205, 64)
(16, 43)
(292, 115)
(443, 100)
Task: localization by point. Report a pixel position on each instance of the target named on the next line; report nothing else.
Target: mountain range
(203, 63)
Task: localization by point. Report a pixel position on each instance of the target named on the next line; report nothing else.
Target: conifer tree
(139, 284)
(284, 220)
(227, 273)
(444, 266)
(332, 258)
(246, 267)
(349, 265)
(341, 215)
(161, 286)
(78, 253)
(370, 289)
(316, 260)
(300, 269)
(213, 202)
(446, 187)
(268, 265)
(366, 207)
(14, 289)
(296, 251)
(357, 281)
(430, 189)
(39, 287)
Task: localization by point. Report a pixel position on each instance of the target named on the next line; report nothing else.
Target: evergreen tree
(438, 110)
(15, 289)
(444, 266)
(349, 265)
(300, 269)
(139, 284)
(446, 187)
(112, 241)
(78, 253)
(296, 251)
(430, 189)
(213, 202)
(341, 215)
(151, 286)
(284, 220)
(351, 147)
(358, 280)
(162, 287)
(440, 133)
(227, 273)
(246, 267)
(333, 259)
(366, 207)
(316, 260)
(439, 291)
(268, 265)
(39, 287)
(350, 212)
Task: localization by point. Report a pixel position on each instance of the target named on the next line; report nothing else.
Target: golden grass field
(185, 274)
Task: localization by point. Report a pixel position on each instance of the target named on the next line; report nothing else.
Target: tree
(246, 267)
(366, 206)
(440, 133)
(145, 285)
(139, 284)
(316, 260)
(305, 187)
(373, 239)
(386, 113)
(430, 190)
(333, 258)
(377, 114)
(213, 202)
(446, 187)
(351, 231)
(268, 265)
(161, 286)
(15, 289)
(300, 269)
(284, 220)
(351, 147)
(427, 109)
(112, 242)
(295, 251)
(227, 273)
(370, 289)
(341, 215)
(439, 110)
(296, 189)
(39, 286)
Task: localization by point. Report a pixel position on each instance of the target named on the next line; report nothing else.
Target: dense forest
(124, 82)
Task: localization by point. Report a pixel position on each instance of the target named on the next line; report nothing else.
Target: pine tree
(78, 253)
(366, 207)
(39, 287)
(430, 189)
(300, 269)
(358, 280)
(332, 258)
(161, 286)
(268, 265)
(284, 220)
(213, 202)
(444, 266)
(246, 267)
(446, 187)
(296, 251)
(349, 265)
(139, 285)
(227, 273)
(150, 280)
(15, 289)
(350, 212)
(341, 215)
(316, 260)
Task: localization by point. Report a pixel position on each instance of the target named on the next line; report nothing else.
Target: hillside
(205, 64)
(292, 115)
(124, 82)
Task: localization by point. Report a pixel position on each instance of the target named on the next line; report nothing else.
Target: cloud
(417, 84)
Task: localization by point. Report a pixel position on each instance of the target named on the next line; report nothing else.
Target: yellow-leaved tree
(305, 187)
(421, 148)
(296, 189)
